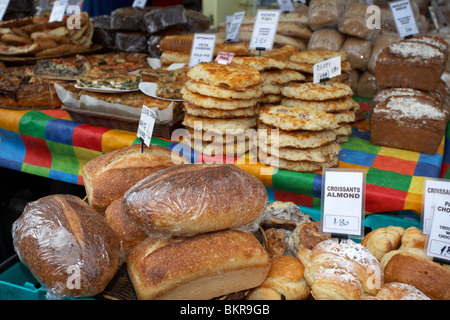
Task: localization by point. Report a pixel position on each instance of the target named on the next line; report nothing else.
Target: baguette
(198, 268)
(196, 198)
(59, 237)
(110, 175)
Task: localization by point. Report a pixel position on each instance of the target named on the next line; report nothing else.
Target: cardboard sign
(435, 193)
(404, 18)
(146, 125)
(438, 243)
(343, 198)
(202, 48)
(265, 29)
(327, 69)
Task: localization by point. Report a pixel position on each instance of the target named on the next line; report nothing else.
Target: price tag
(139, 4)
(343, 198)
(438, 243)
(224, 57)
(265, 29)
(404, 18)
(286, 5)
(3, 6)
(435, 194)
(327, 69)
(232, 32)
(59, 10)
(202, 48)
(146, 125)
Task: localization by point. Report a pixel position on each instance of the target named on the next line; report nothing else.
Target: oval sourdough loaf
(67, 246)
(196, 198)
(201, 267)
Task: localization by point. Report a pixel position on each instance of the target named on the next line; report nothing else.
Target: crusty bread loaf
(196, 198)
(429, 277)
(128, 233)
(202, 267)
(67, 246)
(110, 175)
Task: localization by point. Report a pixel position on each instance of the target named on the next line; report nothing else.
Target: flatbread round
(259, 63)
(219, 125)
(297, 166)
(232, 76)
(281, 76)
(297, 118)
(218, 113)
(321, 154)
(213, 149)
(316, 56)
(344, 117)
(211, 136)
(317, 91)
(336, 105)
(216, 103)
(222, 93)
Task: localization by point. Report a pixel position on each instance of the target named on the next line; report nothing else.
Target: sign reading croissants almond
(343, 198)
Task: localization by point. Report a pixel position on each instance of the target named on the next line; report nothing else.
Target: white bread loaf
(201, 267)
(196, 198)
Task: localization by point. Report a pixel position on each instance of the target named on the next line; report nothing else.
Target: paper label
(58, 10)
(327, 69)
(3, 6)
(436, 192)
(202, 48)
(343, 193)
(265, 29)
(404, 18)
(139, 4)
(439, 236)
(224, 57)
(286, 5)
(146, 125)
(232, 30)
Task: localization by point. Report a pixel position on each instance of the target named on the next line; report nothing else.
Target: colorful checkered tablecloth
(47, 143)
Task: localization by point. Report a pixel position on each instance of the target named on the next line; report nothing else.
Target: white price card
(3, 6)
(404, 18)
(343, 198)
(58, 10)
(436, 193)
(232, 30)
(327, 69)
(202, 48)
(286, 5)
(265, 29)
(139, 4)
(146, 125)
(438, 241)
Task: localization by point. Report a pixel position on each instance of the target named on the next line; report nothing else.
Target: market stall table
(49, 144)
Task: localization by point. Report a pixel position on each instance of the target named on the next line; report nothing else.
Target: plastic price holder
(325, 70)
(264, 30)
(146, 125)
(404, 18)
(202, 48)
(233, 25)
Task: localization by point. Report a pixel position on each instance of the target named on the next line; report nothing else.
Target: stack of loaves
(220, 106)
(311, 123)
(407, 119)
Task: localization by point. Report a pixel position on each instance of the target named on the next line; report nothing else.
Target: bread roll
(400, 291)
(196, 198)
(110, 175)
(382, 240)
(67, 246)
(202, 267)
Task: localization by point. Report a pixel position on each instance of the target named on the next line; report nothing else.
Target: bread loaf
(110, 175)
(67, 246)
(196, 198)
(202, 267)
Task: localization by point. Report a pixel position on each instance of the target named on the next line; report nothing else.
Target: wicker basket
(162, 129)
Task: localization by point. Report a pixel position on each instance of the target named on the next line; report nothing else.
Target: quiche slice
(104, 80)
(62, 68)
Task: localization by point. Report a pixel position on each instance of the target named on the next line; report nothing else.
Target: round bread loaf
(67, 246)
(196, 198)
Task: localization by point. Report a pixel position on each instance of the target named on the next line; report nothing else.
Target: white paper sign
(404, 18)
(265, 29)
(439, 236)
(139, 4)
(435, 193)
(327, 69)
(59, 10)
(3, 6)
(146, 125)
(202, 48)
(232, 31)
(286, 5)
(343, 193)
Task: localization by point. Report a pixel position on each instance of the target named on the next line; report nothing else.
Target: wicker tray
(162, 129)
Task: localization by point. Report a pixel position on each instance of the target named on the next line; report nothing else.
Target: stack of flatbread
(310, 121)
(220, 104)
